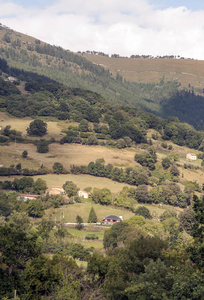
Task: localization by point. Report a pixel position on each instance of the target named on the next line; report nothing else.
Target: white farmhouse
(191, 156)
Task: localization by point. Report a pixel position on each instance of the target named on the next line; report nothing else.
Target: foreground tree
(37, 127)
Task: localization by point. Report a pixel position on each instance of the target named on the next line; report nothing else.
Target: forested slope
(162, 98)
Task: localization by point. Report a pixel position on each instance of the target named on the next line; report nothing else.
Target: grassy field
(82, 181)
(83, 209)
(186, 71)
(21, 124)
(71, 154)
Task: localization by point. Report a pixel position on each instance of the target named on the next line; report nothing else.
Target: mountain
(164, 98)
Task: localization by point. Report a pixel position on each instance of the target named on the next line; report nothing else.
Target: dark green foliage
(84, 126)
(39, 186)
(92, 140)
(198, 227)
(57, 168)
(166, 163)
(182, 134)
(3, 139)
(17, 247)
(79, 222)
(23, 184)
(134, 176)
(174, 171)
(101, 196)
(186, 219)
(24, 153)
(70, 188)
(168, 214)
(91, 236)
(142, 194)
(144, 212)
(7, 88)
(6, 206)
(147, 158)
(37, 127)
(43, 146)
(78, 251)
(92, 216)
(116, 234)
(35, 208)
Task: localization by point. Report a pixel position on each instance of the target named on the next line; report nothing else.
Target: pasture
(82, 181)
(71, 211)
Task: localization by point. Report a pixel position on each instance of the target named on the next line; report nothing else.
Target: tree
(17, 248)
(92, 216)
(174, 171)
(70, 188)
(166, 163)
(142, 194)
(35, 208)
(186, 219)
(84, 125)
(57, 168)
(40, 186)
(42, 146)
(92, 140)
(144, 212)
(24, 154)
(37, 127)
(79, 221)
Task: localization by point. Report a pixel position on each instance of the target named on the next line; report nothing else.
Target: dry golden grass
(53, 127)
(74, 154)
(82, 181)
(152, 70)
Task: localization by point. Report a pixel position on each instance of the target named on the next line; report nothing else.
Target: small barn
(112, 219)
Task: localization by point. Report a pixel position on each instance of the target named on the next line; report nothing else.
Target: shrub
(144, 212)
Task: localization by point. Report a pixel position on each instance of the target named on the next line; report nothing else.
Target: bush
(144, 212)
(57, 168)
(43, 146)
(37, 127)
(91, 236)
(24, 154)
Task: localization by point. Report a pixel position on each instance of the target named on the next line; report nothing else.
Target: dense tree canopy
(37, 127)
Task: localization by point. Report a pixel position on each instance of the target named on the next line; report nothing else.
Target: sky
(124, 27)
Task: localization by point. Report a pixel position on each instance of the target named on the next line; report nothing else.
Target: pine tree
(92, 216)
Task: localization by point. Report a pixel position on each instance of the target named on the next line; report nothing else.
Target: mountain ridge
(75, 71)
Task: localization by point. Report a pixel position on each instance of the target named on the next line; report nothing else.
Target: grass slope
(186, 71)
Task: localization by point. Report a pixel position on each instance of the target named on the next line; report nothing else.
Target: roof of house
(112, 217)
(28, 195)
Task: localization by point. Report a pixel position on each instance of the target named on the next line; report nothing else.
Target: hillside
(188, 72)
(163, 98)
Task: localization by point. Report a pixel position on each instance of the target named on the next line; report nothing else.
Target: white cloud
(116, 26)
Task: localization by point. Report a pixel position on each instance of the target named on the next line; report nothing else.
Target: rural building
(112, 219)
(191, 156)
(55, 190)
(83, 194)
(26, 197)
(12, 79)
